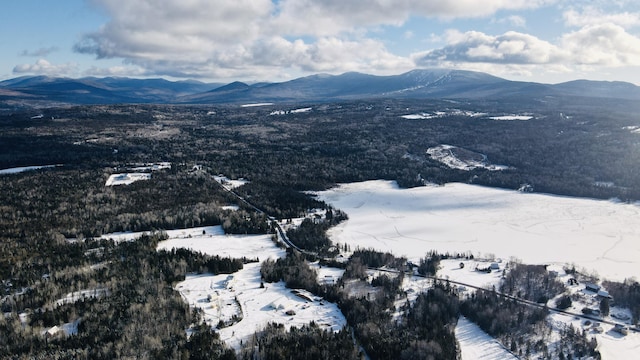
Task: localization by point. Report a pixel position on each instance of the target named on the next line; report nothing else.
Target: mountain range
(428, 84)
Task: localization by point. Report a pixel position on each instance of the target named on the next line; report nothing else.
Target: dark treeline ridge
(345, 142)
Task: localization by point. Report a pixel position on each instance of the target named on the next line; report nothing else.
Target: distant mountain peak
(417, 84)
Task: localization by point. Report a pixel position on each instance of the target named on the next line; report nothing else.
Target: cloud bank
(273, 40)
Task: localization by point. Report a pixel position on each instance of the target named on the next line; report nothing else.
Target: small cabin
(604, 294)
(621, 329)
(592, 287)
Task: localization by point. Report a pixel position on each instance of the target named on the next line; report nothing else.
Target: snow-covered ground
(440, 114)
(491, 223)
(596, 235)
(450, 269)
(451, 156)
(126, 178)
(301, 110)
(292, 111)
(223, 296)
(633, 129)
(475, 344)
(151, 166)
(327, 275)
(229, 183)
(512, 117)
(66, 329)
(256, 104)
(213, 241)
(75, 296)
(16, 170)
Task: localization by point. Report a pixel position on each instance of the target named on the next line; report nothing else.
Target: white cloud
(330, 17)
(515, 20)
(605, 45)
(124, 71)
(39, 52)
(510, 48)
(44, 67)
(209, 39)
(594, 16)
(269, 39)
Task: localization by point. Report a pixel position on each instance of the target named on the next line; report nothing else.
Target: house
(621, 329)
(604, 294)
(592, 287)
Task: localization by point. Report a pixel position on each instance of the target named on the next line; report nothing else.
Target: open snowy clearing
(223, 296)
(475, 344)
(229, 183)
(75, 296)
(228, 297)
(151, 166)
(535, 228)
(463, 159)
(450, 270)
(213, 241)
(633, 129)
(126, 178)
(16, 170)
(292, 111)
(441, 114)
(512, 117)
(256, 105)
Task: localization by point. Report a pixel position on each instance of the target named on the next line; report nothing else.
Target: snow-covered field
(475, 344)
(512, 117)
(595, 235)
(450, 269)
(75, 296)
(151, 166)
(440, 114)
(256, 104)
(126, 178)
(229, 183)
(223, 296)
(292, 111)
(458, 158)
(16, 170)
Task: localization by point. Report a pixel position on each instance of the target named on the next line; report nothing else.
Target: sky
(548, 41)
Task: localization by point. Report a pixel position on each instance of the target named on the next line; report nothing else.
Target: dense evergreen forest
(51, 219)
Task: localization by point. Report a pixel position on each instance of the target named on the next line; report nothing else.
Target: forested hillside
(51, 219)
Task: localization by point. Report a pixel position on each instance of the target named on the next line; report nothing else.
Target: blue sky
(263, 40)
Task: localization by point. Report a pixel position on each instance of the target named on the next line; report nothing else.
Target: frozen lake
(596, 235)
